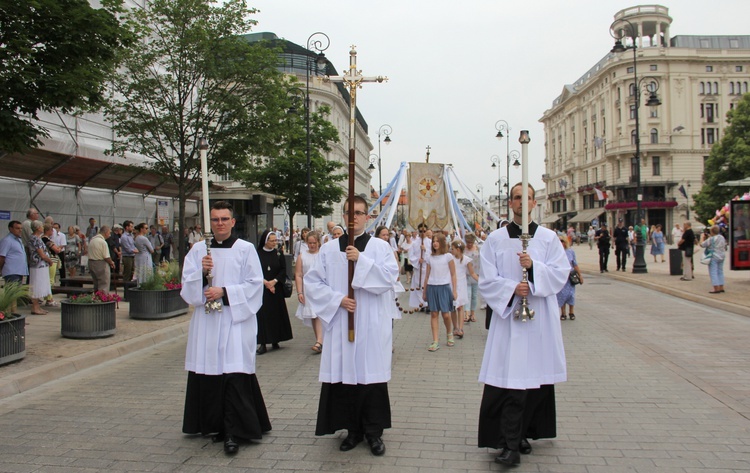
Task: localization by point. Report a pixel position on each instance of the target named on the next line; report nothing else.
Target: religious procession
(235, 197)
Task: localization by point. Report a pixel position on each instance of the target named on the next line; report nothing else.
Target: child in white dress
(305, 262)
(464, 269)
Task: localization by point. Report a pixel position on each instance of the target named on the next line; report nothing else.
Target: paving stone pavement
(656, 384)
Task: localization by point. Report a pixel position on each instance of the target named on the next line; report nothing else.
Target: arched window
(716, 88)
(632, 137)
(701, 88)
(731, 88)
(631, 90)
(654, 136)
(744, 87)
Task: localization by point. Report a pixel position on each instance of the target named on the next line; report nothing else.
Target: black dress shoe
(262, 350)
(275, 346)
(351, 441)
(508, 457)
(377, 447)
(230, 445)
(524, 446)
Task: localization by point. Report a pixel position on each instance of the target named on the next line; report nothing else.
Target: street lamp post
(374, 158)
(383, 130)
(639, 264)
(502, 126)
(319, 42)
(513, 155)
(495, 161)
(480, 189)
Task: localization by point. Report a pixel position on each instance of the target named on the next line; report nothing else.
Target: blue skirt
(440, 298)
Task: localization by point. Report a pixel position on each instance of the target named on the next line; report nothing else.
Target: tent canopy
(738, 183)
(551, 218)
(586, 216)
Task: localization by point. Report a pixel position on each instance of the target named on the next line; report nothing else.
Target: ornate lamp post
(480, 189)
(639, 264)
(385, 130)
(514, 155)
(319, 42)
(374, 158)
(502, 126)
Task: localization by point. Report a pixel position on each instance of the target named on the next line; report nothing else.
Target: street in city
(657, 383)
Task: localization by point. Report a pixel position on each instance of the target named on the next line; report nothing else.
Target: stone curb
(35, 377)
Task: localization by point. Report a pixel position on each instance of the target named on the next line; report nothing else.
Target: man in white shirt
(676, 233)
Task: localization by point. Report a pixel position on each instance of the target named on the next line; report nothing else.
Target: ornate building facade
(590, 130)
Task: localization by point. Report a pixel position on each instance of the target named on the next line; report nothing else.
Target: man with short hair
(420, 251)
(195, 236)
(92, 229)
(354, 375)
(100, 261)
(166, 248)
(157, 242)
(13, 261)
(115, 248)
(522, 360)
(328, 236)
(223, 395)
(603, 242)
(31, 215)
(622, 245)
(127, 242)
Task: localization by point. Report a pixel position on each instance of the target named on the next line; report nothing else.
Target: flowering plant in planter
(166, 276)
(94, 298)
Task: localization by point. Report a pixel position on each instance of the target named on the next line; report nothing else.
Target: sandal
(433, 347)
(572, 316)
(317, 348)
(467, 320)
(563, 317)
(451, 342)
(459, 333)
(44, 312)
(472, 319)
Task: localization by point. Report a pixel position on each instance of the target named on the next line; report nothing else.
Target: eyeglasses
(357, 213)
(220, 219)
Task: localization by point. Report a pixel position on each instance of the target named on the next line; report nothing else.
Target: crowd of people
(352, 320)
(38, 252)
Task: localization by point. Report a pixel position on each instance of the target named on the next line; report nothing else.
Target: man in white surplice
(354, 393)
(522, 360)
(223, 396)
(419, 253)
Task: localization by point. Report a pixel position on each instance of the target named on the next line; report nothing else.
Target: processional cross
(352, 80)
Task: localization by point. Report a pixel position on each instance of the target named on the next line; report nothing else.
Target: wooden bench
(71, 291)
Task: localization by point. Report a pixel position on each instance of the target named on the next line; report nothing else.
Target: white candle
(203, 146)
(524, 139)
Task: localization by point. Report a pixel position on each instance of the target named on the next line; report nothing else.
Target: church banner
(428, 196)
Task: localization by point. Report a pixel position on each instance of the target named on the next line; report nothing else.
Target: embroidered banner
(428, 196)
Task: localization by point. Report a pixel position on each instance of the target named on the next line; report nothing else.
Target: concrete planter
(12, 339)
(97, 320)
(156, 305)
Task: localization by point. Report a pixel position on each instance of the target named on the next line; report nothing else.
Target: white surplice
(368, 359)
(420, 271)
(223, 342)
(523, 355)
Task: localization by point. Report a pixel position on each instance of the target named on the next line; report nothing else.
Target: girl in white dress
(304, 263)
(464, 269)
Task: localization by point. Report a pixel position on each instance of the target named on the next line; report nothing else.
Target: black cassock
(273, 316)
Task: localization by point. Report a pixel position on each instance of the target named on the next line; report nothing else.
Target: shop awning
(551, 218)
(586, 216)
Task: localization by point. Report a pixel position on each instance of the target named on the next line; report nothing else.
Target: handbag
(573, 278)
(287, 288)
(708, 254)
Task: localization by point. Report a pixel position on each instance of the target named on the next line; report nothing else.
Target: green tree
(191, 75)
(729, 160)
(286, 174)
(55, 55)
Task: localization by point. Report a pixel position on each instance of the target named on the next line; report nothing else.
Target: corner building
(590, 137)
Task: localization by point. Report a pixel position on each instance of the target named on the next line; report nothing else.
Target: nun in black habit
(273, 317)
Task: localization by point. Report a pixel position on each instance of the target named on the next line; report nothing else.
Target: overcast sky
(456, 68)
